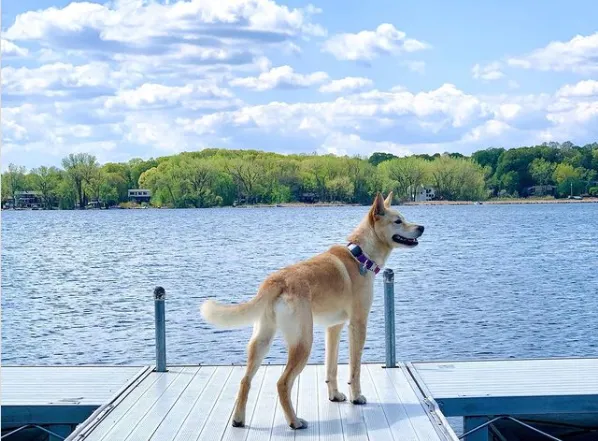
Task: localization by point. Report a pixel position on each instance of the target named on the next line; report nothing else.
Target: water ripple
(486, 281)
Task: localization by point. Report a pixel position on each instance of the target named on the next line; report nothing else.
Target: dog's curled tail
(243, 314)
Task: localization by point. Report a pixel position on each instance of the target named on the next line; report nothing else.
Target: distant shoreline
(519, 201)
(514, 201)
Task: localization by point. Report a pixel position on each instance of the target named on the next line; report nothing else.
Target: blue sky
(132, 78)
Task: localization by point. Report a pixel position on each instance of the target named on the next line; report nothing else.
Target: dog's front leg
(333, 336)
(357, 331)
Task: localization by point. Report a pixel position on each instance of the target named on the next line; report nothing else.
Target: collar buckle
(365, 263)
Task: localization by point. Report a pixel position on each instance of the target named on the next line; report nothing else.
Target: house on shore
(309, 198)
(140, 195)
(25, 200)
(424, 194)
(540, 190)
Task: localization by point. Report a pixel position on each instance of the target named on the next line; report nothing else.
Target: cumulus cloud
(131, 25)
(57, 79)
(10, 49)
(368, 45)
(587, 88)
(490, 129)
(353, 144)
(151, 95)
(183, 38)
(489, 72)
(363, 113)
(347, 84)
(136, 78)
(282, 77)
(579, 55)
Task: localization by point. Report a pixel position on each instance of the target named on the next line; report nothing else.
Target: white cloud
(155, 131)
(397, 121)
(153, 40)
(140, 78)
(490, 129)
(57, 78)
(350, 84)
(579, 55)
(10, 49)
(489, 72)
(136, 21)
(280, 77)
(151, 95)
(352, 144)
(509, 110)
(368, 45)
(585, 88)
(573, 113)
(416, 66)
(366, 112)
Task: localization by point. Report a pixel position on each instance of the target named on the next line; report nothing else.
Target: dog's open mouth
(404, 240)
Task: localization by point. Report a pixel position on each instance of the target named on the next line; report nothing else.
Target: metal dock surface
(59, 397)
(559, 396)
(196, 403)
(499, 400)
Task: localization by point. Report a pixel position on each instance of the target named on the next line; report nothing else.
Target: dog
(329, 289)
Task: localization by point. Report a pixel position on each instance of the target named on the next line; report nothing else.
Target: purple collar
(363, 258)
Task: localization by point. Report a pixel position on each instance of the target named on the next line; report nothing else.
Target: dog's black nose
(420, 228)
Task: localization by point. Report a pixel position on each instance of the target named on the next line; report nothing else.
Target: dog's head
(390, 225)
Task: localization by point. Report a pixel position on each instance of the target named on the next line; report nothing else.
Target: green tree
(46, 180)
(489, 159)
(359, 173)
(516, 162)
(14, 180)
(568, 179)
(509, 182)
(457, 178)
(202, 174)
(247, 176)
(542, 171)
(378, 158)
(80, 168)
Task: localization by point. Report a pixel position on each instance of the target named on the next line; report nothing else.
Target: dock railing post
(160, 319)
(389, 317)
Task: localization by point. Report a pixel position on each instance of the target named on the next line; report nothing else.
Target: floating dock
(498, 400)
(505, 400)
(57, 399)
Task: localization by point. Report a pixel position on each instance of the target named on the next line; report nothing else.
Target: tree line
(219, 177)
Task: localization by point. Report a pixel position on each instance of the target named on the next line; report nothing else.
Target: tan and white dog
(330, 289)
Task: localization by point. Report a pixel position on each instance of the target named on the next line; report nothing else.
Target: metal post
(389, 317)
(160, 316)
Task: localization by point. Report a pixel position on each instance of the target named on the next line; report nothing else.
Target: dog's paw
(360, 399)
(337, 397)
(299, 424)
(238, 423)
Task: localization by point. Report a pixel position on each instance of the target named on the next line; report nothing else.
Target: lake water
(486, 281)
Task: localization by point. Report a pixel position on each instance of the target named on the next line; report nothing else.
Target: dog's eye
(398, 221)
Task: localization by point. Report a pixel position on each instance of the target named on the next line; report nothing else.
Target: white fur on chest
(332, 318)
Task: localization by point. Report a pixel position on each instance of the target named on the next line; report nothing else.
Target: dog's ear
(377, 210)
(388, 200)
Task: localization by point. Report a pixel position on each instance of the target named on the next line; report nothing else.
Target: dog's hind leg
(333, 336)
(263, 333)
(295, 319)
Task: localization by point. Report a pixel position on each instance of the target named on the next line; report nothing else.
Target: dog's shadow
(352, 419)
